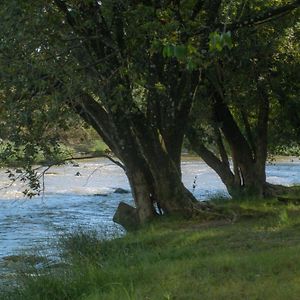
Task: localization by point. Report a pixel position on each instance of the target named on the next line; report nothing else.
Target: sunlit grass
(256, 257)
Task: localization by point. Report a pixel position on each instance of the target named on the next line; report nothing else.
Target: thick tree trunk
(249, 164)
(156, 180)
(120, 141)
(171, 194)
(143, 195)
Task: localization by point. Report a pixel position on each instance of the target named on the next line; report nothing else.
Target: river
(88, 201)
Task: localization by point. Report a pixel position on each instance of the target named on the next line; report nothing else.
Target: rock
(102, 195)
(19, 171)
(288, 200)
(127, 216)
(78, 174)
(76, 165)
(121, 191)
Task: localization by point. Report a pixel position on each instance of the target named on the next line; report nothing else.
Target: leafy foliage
(141, 64)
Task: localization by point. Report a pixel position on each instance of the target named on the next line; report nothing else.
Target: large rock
(126, 216)
(121, 191)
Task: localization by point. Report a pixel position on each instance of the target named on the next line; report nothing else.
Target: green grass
(256, 257)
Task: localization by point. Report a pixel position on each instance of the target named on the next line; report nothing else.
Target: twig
(57, 163)
(95, 172)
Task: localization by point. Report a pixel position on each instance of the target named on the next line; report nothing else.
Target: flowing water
(88, 201)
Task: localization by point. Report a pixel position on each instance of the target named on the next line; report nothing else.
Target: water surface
(88, 201)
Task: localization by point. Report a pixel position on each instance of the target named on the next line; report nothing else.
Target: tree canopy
(136, 70)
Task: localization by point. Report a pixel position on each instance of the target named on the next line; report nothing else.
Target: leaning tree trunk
(118, 137)
(242, 180)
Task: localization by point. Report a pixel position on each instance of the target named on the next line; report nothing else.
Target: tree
(130, 69)
(242, 96)
(83, 58)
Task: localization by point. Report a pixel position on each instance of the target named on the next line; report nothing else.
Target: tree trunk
(153, 176)
(249, 164)
(142, 195)
(171, 194)
(247, 177)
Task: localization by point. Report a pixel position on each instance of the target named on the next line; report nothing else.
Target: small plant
(283, 217)
(81, 245)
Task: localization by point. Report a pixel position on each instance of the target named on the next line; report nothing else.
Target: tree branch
(265, 17)
(61, 5)
(221, 147)
(222, 169)
(256, 20)
(70, 159)
(248, 130)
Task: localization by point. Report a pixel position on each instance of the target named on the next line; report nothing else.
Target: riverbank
(252, 253)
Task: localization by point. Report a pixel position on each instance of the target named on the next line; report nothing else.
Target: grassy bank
(251, 254)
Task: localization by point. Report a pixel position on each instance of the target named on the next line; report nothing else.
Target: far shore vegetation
(78, 142)
(83, 141)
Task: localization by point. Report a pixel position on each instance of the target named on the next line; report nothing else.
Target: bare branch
(256, 20)
(265, 17)
(69, 159)
(96, 169)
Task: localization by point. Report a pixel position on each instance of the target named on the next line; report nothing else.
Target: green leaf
(168, 51)
(180, 51)
(191, 65)
(228, 39)
(217, 41)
